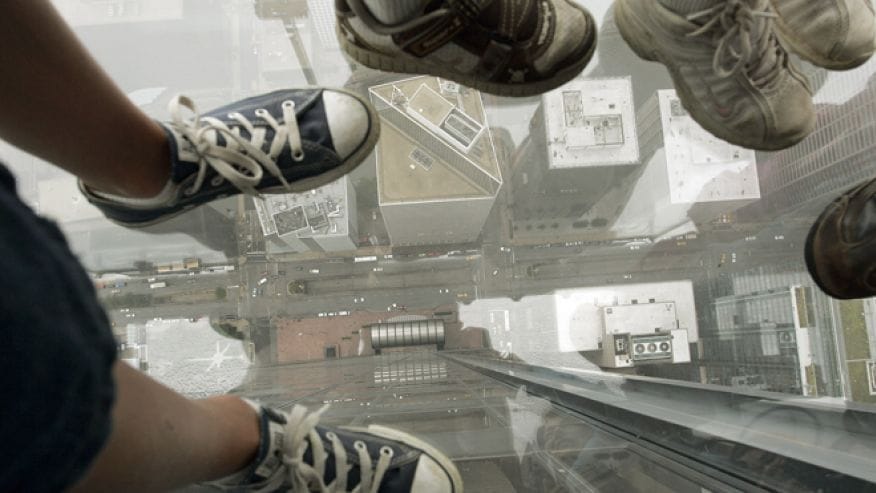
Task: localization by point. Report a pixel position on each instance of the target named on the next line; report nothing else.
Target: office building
(629, 325)
(762, 341)
(583, 141)
(322, 219)
(689, 177)
(591, 123)
(437, 171)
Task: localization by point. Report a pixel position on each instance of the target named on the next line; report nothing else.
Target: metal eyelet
(217, 180)
(298, 156)
(384, 450)
(330, 435)
(360, 445)
(188, 192)
(288, 104)
(261, 111)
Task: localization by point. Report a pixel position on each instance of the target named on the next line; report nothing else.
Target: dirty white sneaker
(298, 455)
(731, 73)
(834, 34)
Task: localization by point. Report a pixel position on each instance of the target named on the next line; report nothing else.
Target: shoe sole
(796, 45)
(630, 28)
(351, 163)
(407, 64)
(412, 441)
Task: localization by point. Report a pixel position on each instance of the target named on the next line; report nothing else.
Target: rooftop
(701, 167)
(435, 142)
(591, 123)
(580, 311)
(319, 212)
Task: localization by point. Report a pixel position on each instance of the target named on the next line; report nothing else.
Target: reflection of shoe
(841, 247)
(285, 141)
(728, 67)
(503, 47)
(300, 456)
(834, 34)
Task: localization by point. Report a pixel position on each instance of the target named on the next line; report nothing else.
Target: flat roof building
(322, 219)
(591, 123)
(437, 170)
(763, 342)
(618, 326)
(689, 177)
(631, 324)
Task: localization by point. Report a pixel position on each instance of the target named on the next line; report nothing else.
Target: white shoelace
(741, 41)
(239, 161)
(300, 434)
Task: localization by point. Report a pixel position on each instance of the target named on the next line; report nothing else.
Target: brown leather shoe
(841, 247)
(503, 47)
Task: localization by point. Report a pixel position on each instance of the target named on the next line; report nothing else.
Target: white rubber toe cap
(347, 120)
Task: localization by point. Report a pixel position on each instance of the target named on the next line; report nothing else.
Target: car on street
(495, 272)
(443, 290)
(377, 269)
(321, 314)
(314, 271)
(358, 299)
(504, 249)
(255, 292)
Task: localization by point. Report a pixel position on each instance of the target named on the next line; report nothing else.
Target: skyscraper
(437, 171)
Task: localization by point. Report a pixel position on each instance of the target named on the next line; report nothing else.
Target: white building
(619, 326)
(322, 219)
(437, 171)
(688, 176)
(629, 325)
(591, 123)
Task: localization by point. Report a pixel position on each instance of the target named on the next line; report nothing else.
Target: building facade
(437, 171)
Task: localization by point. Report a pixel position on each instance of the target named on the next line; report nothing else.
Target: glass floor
(594, 233)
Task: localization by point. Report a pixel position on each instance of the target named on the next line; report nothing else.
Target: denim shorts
(56, 355)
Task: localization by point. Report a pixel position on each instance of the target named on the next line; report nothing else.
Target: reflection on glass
(595, 228)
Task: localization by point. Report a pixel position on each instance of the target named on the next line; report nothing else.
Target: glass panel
(596, 227)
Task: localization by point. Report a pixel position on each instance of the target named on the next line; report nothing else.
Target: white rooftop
(591, 123)
(319, 212)
(581, 311)
(701, 167)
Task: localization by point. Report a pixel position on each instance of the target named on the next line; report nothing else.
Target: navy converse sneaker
(298, 455)
(281, 142)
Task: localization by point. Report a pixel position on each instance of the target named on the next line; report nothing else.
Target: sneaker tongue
(511, 19)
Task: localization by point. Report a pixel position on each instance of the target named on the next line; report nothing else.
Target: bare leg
(161, 440)
(58, 104)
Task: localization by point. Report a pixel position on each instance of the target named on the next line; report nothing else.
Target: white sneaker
(834, 34)
(730, 71)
